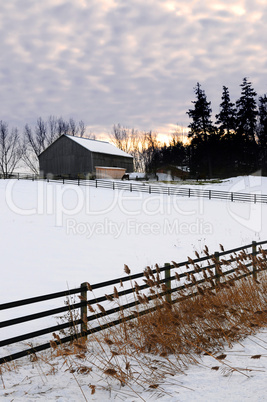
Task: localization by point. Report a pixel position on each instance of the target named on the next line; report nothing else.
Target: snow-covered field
(55, 237)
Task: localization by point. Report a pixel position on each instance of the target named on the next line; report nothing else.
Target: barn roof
(102, 147)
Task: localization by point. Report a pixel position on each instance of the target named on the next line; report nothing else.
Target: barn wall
(112, 161)
(65, 157)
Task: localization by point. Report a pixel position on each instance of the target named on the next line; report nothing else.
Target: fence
(215, 272)
(152, 188)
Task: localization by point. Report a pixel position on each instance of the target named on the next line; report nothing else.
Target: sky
(131, 62)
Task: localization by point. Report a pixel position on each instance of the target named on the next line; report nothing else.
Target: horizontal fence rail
(133, 186)
(209, 272)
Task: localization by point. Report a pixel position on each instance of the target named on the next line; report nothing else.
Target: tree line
(236, 143)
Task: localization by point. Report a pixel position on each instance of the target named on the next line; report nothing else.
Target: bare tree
(62, 127)
(36, 140)
(82, 128)
(141, 145)
(90, 136)
(141, 155)
(128, 140)
(10, 152)
(41, 134)
(150, 148)
(122, 137)
(29, 157)
(136, 151)
(76, 129)
(139, 150)
(33, 144)
(178, 135)
(73, 128)
(52, 129)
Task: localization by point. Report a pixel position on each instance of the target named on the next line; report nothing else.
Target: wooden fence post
(168, 282)
(84, 310)
(254, 253)
(217, 267)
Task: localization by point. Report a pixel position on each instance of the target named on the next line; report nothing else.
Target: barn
(78, 157)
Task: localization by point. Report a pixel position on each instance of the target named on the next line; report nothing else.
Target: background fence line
(150, 188)
(218, 268)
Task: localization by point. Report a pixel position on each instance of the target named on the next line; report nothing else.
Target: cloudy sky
(133, 62)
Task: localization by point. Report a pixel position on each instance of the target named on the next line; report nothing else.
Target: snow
(167, 177)
(54, 237)
(103, 147)
(137, 175)
(36, 381)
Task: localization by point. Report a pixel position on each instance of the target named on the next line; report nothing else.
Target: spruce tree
(262, 126)
(262, 133)
(247, 111)
(201, 125)
(201, 129)
(226, 118)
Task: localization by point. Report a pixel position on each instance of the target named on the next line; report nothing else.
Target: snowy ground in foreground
(35, 381)
(55, 237)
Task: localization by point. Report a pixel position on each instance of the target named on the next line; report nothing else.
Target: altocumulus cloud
(134, 62)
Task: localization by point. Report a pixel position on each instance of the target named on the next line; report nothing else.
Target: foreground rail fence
(120, 298)
(133, 186)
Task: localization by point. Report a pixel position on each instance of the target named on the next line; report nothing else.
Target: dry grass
(165, 342)
(141, 352)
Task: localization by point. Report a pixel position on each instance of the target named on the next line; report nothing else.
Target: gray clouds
(136, 62)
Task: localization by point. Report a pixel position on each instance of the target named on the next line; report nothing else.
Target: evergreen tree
(262, 126)
(245, 141)
(201, 124)
(201, 129)
(262, 133)
(226, 119)
(247, 111)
